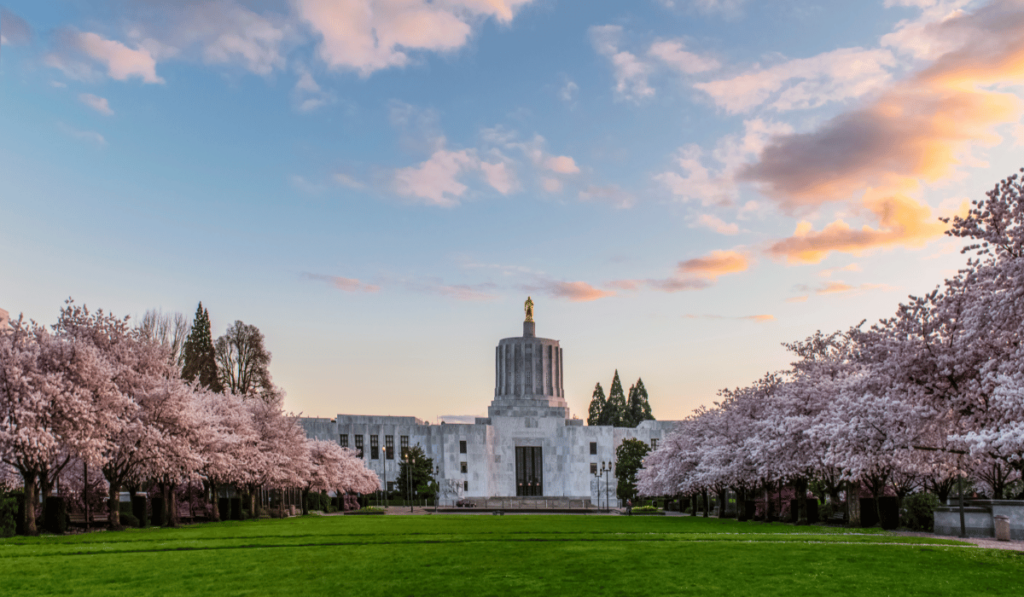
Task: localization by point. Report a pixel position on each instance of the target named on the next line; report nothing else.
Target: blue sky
(680, 185)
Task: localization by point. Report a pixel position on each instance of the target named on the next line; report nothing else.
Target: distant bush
(8, 512)
(366, 511)
(56, 515)
(129, 520)
(916, 513)
(647, 511)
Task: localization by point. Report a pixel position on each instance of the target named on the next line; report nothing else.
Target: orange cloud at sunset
(693, 274)
(917, 130)
(715, 264)
(579, 292)
(902, 221)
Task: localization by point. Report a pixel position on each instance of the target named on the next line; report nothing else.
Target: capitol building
(527, 446)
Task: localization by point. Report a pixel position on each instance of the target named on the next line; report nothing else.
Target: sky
(680, 185)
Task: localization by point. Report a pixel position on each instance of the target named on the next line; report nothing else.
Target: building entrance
(529, 471)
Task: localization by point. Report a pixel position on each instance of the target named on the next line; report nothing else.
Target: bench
(79, 519)
(837, 519)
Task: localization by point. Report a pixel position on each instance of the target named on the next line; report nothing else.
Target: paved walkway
(986, 543)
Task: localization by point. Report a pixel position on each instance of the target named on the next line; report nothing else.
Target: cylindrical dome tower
(528, 375)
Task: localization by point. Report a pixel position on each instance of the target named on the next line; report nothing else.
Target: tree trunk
(707, 503)
(114, 508)
(741, 504)
(172, 506)
(252, 504)
(215, 500)
(800, 486)
(721, 503)
(767, 502)
(45, 486)
(305, 500)
(853, 504)
(29, 521)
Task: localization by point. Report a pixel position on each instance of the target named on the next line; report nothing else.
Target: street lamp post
(384, 488)
(437, 487)
(409, 462)
(606, 467)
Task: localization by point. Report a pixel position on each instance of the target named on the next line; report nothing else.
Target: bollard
(1002, 524)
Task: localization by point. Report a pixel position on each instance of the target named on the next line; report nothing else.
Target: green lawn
(510, 555)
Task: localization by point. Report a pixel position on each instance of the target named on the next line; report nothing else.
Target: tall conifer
(596, 406)
(614, 412)
(639, 407)
(198, 356)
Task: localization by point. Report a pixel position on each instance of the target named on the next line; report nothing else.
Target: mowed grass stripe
(615, 567)
(187, 545)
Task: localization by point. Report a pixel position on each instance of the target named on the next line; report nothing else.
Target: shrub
(368, 510)
(8, 512)
(868, 514)
(917, 510)
(129, 520)
(236, 508)
(56, 515)
(642, 509)
(139, 510)
(889, 510)
(157, 504)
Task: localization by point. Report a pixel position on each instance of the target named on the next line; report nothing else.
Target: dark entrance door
(529, 471)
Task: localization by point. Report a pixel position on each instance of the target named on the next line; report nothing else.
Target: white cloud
(89, 136)
(499, 177)
(14, 31)
(307, 94)
(436, 181)
(562, 164)
(534, 150)
(673, 53)
(805, 83)
(631, 73)
(568, 92)
(348, 181)
(97, 103)
(694, 181)
(370, 35)
(121, 62)
(612, 194)
(551, 185)
(715, 224)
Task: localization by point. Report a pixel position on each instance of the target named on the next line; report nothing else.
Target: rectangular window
(593, 468)
(389, 446)
(464, 467)
(405, 445)
(374, 447)
(462, 447)
(593, 447)
(344, 440)
(359, 445)
(654, 443)
(465, 486)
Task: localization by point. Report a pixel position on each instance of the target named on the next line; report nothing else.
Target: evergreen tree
(596, 406)
(422, 475)
(629, 458)
(614, 412)
(198, 357)
(639, 408)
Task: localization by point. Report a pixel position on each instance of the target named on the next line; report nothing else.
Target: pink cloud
(120, 61)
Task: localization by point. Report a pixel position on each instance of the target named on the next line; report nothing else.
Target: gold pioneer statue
(529, 309)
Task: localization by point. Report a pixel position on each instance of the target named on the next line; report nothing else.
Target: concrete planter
(979, 518)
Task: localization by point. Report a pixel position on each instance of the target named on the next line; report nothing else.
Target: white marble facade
(528, 411)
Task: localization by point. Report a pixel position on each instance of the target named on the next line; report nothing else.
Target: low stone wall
(978, 518)
(515, 503)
